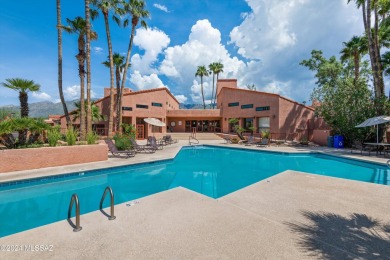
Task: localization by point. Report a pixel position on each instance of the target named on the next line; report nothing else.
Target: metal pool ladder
(75, 200)
(108, 189)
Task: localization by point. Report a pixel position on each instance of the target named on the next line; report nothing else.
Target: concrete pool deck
(290, 215)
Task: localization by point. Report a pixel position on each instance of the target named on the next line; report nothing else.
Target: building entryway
(204, 126)
(141, 129)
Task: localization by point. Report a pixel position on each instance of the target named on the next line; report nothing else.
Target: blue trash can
(338, 141)
(330, 141)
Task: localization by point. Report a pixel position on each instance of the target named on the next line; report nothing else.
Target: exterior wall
(36, 158)
(293, 120)
(244, 97)
(321, 137)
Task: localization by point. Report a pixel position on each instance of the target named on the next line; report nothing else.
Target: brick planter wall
(35, 158)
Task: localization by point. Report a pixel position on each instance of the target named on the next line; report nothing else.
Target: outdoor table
(377, 145)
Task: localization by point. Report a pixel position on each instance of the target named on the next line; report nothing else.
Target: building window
(247, 106)
(248, 122)
(127, 108)
(156, 104)
(262, 108)
(235, 104)
(264, 124)
(142, 106)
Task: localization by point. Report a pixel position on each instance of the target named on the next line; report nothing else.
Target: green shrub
(129, 130)
(53, 135)
(71, 136)
(91, 137)
(265, 134)
(122, 142)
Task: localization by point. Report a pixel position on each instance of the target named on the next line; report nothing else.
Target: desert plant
(265, 134)
(53, 135)
(129, 130)
(92, 137)
(71, 136)
(122, 142)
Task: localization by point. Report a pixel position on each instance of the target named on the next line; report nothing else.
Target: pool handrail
(108, 189)
(75, 200)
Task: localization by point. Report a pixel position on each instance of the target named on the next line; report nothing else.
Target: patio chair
(251, 140)
(172, 141)
(142, 148)
(154, 143)
(263, 143)
(227, 140)
(359, 146)
(118, 153)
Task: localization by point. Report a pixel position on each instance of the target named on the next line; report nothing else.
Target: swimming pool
(209, 170)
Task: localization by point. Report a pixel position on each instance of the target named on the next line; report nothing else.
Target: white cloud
(146, 82)
(277, 35)
(97, 50)
(73, 92)
(161, 7)
(41, 95)
(202, 48)
(153, 41)
(181, 98)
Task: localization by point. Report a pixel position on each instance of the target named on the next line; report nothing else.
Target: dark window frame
(141, 106)
(265, 108)
(127, 109)
(246, 106)
(155, 104)
(234, 104)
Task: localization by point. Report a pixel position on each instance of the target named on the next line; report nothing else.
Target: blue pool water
(211, 171)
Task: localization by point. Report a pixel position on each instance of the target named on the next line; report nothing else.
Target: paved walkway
(291, 215)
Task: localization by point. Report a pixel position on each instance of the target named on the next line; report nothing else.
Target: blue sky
(259, 42)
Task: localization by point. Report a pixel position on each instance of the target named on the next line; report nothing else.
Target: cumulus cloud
(146, 82)
(181, 98)
(41, 95)
(276, 35)
(161, 7)
(73, 92)
(97, 50)
(153, 41)
(202, 48)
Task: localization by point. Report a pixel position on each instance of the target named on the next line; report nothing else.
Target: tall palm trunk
(118, 98)
(23, 98)
(374, 59)
(134, 22)
(61, 93)
(212, 92)
(201, 87)
(81, 60)
(88, 57)
(216, 90)
(111, 117)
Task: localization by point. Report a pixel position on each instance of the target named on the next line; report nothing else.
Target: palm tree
(119, 66)
(96, 116)
(202, 72)
(23, 86)
(373, 41)
(353, 49)
(88, 59)
(136, 9)
(61, 93)
(219, 69)
(105, 6)
(78, 26)
(213, 69)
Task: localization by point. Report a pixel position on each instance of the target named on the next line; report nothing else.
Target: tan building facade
(284, 118)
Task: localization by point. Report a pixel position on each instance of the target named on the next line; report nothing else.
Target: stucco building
(283, 117)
